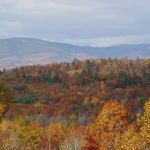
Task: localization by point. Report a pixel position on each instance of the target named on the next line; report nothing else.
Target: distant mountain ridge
(16, 52)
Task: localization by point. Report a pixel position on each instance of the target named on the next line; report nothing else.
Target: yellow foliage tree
(137, 136)
(7, 140)
(145, 128)
(27, 135)
(129, 140)
(113, 119)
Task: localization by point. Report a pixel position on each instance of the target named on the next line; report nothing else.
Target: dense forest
(91, 105)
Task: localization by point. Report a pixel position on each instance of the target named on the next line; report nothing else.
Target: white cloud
(42, 7)
(59, 20)
(10, 25)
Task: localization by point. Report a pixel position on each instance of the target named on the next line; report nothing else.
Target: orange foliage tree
(55, 135)
(112, 120)
(137, 135)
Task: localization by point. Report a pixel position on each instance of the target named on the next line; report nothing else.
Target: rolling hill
(16, 52)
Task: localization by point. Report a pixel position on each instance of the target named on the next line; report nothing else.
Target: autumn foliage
(80, 87)
(83, 105)
(113, 129)
(5, 99)
(112, 120)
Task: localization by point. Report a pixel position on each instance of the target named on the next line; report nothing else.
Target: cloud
(60, 20)
(10, 25)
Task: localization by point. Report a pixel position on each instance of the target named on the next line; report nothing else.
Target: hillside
(15, 52)
(77, 91)
(70, 106)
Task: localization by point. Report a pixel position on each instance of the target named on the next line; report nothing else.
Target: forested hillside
(92, 105)
(79, 88)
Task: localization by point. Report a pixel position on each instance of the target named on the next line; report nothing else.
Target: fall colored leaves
(113, 129)
(5, 99)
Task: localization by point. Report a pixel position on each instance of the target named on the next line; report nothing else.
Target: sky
(82, 22)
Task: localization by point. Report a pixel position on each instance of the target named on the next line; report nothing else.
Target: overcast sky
(84, 22)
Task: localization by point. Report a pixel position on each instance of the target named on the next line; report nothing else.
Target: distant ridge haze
(15, 52)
